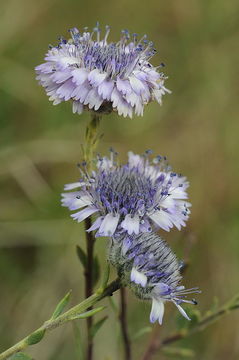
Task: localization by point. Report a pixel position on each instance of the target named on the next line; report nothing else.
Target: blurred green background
(197, 128)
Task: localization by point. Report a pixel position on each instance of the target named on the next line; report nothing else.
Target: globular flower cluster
(130, 202)
(102, 76)
(147, 264)
(136, 197)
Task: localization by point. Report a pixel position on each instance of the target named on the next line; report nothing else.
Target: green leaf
(96, 327)
(96, 270)
(142, 332)
(61, 306)
(82, 256)
(35, 337)
(87, 313)
(178, 352)
(20, 356)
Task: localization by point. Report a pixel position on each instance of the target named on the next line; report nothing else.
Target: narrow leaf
(96, 327)
(87, 313)
(61, 306)
(35, 337)
(142, 332)
(20, 356)
(82, 256)
(179, 352)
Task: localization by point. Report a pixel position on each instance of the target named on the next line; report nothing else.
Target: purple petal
(79, 76)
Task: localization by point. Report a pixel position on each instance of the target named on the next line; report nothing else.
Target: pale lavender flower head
(102, 76)
(148, 266)
(132, 198)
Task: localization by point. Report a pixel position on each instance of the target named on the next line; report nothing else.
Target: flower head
(148, 266)
(131, 198)
(102, 76)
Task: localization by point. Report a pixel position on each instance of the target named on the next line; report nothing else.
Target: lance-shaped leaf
(20, 356)
(86, 314)
(96, 327)
(178, 352)
(61, 306)
(35, 337)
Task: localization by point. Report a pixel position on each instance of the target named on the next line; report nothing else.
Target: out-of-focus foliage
(197, 128)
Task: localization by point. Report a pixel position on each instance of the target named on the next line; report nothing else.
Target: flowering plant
(130, 202)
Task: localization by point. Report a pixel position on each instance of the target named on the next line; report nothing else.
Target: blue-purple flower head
(148, 266)
(102, 76)
(139, 196)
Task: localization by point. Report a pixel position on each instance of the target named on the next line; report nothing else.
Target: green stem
(51, 324)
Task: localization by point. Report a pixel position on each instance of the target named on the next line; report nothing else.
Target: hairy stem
(123, 323)
(91, 141)
(156, 345)
(89, 284)
(69, 315)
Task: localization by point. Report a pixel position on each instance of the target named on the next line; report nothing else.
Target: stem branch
(156, 345)
(62, 319)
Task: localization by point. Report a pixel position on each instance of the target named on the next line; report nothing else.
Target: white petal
(77, 107)
(72, 186)
(162, 219)
(83, 214)
(81, 202)
(96, 224)
(157, 311)
(79, 76)
(96, 78)
(131, 224)
(135, 160)
(105, 89)
(109, 224)
(138, 277)
(93, 99)
(137, 85)
(123, 86)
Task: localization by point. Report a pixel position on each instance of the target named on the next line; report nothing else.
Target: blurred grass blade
(106, 275)
(61, 306)
(178, 352)
(20, 356)
(82, 256)
(96, 270)
(79, 342)
(141, 332)
(113, 305)
(96, 327)
(87, 313)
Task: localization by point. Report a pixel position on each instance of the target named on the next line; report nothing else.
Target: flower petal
(157, 311)
(162, 219)
(83, 214)
(138, 277)
(131, 224)
(109, 224)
